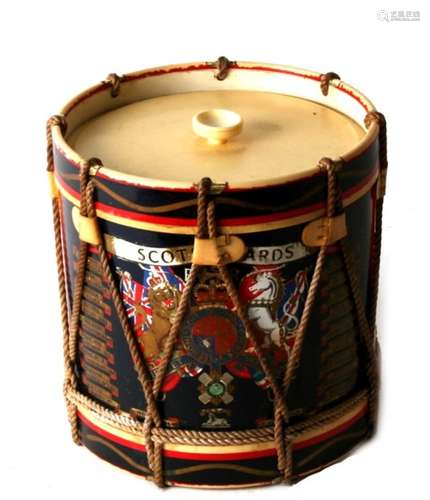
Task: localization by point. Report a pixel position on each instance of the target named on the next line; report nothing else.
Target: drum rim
(62, 146)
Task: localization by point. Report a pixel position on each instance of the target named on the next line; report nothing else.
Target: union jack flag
(136, 303)
(135, 293)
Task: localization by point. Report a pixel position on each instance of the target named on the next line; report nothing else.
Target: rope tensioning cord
(69, 374)
(154, 434)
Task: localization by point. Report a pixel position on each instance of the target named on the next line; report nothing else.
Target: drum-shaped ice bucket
(218, 232)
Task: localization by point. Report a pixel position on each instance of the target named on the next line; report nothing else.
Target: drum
(218, 233)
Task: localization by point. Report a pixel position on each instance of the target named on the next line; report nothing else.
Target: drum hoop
(63, 148)
(170, 227)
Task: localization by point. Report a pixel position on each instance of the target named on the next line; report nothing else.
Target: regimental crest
(213, 343)
(212, 333)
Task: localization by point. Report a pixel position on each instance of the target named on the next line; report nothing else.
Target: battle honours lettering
(177, 256)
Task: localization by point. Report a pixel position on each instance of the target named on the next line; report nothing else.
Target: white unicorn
(265, 291)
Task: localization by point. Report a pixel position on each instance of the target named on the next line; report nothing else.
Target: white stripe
(176, 256)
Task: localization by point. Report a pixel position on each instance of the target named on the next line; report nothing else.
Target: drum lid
(249, 132)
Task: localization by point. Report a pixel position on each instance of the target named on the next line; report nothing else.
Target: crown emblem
(210, 289)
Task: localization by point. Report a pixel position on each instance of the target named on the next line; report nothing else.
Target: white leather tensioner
(87, 227)
(209, 251)
(324, 231)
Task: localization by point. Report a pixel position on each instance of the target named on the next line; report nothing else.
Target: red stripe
(215, 457)
(333, 432)
(353, 95)
(93, 249)
(178, 454)
(108, 435)
(237, 221)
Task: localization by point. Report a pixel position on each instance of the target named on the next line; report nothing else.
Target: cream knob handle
(217, 125)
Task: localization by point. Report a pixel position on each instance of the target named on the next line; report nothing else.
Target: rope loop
(58, 121)
(53, 121)
(222, 65)
(374, 116)
(325, 80)
(114, 81)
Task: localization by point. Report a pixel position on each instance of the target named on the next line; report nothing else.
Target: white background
(50, 51)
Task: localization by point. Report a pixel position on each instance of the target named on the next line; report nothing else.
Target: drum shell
(332, 365)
